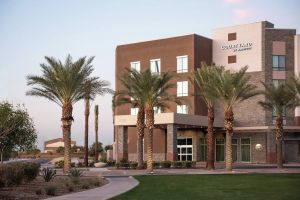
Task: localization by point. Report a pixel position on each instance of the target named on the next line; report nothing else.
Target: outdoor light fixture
(258, 147)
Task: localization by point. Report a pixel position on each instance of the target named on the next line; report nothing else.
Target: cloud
(241, 13)
(233, 1)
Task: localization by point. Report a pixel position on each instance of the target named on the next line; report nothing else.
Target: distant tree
(18, 128)
(60, 150)
(108, 147)
(92, 149)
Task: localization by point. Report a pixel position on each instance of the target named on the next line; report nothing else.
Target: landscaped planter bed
(37, 188)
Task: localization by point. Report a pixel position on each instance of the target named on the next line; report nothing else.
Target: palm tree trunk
(86, 131)
(140, 125)
(150, 126)
(228, 124)
(66, 128)
(210, 139)
(96, 133)
(279, 134)
(1, 157)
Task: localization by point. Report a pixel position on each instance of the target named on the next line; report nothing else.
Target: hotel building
(180, 131)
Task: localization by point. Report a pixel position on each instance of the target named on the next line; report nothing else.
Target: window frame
(249, 151)
(216, 149)
(179, 154)
(181, 109)
(154, 60)
(135, 63)
(134, 111)
(182, 70)
(183, 94)
(278, 68)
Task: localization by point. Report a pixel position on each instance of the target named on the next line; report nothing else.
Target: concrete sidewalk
(116, 186)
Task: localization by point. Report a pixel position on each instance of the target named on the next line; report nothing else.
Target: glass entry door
(185, 149)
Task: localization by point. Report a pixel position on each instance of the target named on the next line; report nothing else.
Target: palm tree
(206, 81)
(95, 87)
(278, 99)
(146, 90)
(64, 84)
(233, 88)
(133, 93)
(96, 132)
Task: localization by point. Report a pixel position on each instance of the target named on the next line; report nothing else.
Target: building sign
(238, 47)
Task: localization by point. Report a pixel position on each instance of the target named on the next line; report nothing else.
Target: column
(171, 142)
(122, 146)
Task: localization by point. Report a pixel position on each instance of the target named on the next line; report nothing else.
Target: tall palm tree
(64, 84)
(133, 93)
(95, 87)
(96, 132)
(233, 88)
(278, 99)
(205, 80)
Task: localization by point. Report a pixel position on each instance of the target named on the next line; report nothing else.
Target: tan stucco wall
(248, 33)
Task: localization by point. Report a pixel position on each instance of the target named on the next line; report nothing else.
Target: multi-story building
(180, 133)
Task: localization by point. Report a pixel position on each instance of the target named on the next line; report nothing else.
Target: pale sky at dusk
(32, 29)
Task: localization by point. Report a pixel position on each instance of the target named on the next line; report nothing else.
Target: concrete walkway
(116, 186)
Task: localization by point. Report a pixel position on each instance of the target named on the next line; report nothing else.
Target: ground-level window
(134, 111)
(185, 149)
(234, 149)
(202, 149)
(245, 149)
(220, 149)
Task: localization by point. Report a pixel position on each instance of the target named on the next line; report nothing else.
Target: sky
(32, 29)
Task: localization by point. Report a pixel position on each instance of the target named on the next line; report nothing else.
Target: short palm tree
(278, 99)
(64, 84)
(205, 80)
(95, 87)
(233, 88)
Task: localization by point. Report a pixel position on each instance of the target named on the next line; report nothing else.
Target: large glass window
(136, 65)
(278, 63)
(202, 149)
(220, 149)
(277, 82)
(182, 88)
(155, 66)
(245, 149)
(185, 149)
(182, 64)
(134, 111)
(182, 109)
(234, 149)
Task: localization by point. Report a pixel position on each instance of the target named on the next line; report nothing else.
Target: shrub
(13, 174)
(74, 172)
(48, 174)
(39, 191)
(75, 180)
(165, 164)
(122, 164)
(177, 164)
(70, 188)
(95, 181)
(50, 190)
(91, 164)
(59, 164)
(133, 165)
(111, 163)
(103, 159)
(85, 186)
(31, 171)
(155, 165)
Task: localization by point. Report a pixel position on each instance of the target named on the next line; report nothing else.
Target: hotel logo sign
(238, 47)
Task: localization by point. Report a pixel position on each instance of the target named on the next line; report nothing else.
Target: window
(182, 88)
(231, 59)
(202, 149)
(156, 110)
(155, 66)
(185, 149)
(136, 65)
(134, 111)
(278, 63)
(231, 36)
(182, 109)
(274, 113)
(182, 64)
(234, 145)
(277, 82)
(220, 149)
(245, 149)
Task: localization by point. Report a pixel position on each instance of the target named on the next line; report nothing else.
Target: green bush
(70, 188)
(111, 163)
(155, 165)
(103, 159)
(59, 164)
(177, 164)
(51, 190)
(133, 165)
(13, 174)
(85, 186)
(95, 181)
(39, 191)
(165, 164)
(122, 164)
(74, 172)
(48, 174)
(31, 171)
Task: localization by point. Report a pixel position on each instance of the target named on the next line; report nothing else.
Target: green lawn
(238, 186)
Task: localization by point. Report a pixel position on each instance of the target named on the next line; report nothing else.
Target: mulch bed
(63, 185)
